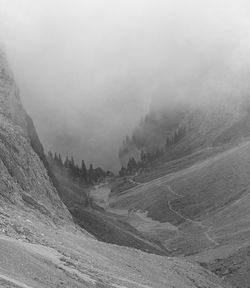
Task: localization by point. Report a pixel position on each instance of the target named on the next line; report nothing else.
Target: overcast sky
(88, 70)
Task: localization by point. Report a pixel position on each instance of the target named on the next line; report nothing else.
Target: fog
(88, 70)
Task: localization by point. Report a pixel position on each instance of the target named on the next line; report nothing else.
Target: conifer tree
(55, 157)
(83, 170)
(132, 165)
(50, 156)
(72, 162)
(67, 162)
(122, 171)
(60, 160)
(90, 173)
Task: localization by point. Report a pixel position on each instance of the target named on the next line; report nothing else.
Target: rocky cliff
(24, 180)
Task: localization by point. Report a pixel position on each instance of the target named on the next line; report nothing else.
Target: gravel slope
(77, 261)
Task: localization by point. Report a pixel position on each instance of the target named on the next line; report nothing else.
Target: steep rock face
(23, 176)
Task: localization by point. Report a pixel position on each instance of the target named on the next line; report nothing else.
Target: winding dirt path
(199, 223)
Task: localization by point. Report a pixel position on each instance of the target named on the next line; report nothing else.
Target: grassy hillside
(201, 204)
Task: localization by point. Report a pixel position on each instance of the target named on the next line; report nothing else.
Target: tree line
(146, 158)
(175, 137)
(90, 175)
(134, 166)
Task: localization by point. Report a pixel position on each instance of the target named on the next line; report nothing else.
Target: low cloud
(89, 70)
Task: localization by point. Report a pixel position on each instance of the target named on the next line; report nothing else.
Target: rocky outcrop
(24, 179)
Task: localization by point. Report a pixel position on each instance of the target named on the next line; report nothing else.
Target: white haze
(88, 70)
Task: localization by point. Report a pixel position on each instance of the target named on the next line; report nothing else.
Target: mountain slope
(80, 262)
(213, 192)
(186, 131)
(24, 180)
(200, 207)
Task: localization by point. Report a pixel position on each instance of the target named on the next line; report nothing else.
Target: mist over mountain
(94, 68)
(89, 70)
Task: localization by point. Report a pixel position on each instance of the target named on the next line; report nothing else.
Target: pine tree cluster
(146, 158)
(89, 175)
(134, 166)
